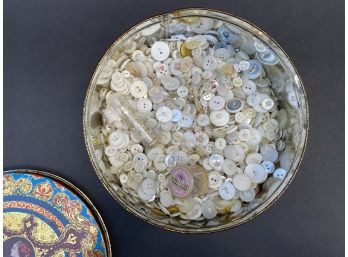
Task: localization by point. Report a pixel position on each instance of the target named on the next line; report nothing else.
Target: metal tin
(90, 110)
(45, 215)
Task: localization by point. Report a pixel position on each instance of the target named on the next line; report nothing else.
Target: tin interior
(295, 140)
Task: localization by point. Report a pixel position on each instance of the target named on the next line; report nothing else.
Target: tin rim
(79, 193)
(276, 194)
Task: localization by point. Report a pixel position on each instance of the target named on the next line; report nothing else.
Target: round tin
(45, 215)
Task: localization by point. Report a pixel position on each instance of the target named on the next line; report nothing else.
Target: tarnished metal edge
(79, 193)
(193, 230)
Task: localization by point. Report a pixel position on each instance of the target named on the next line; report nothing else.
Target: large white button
(164, 114)
(269, 152)
(214, 179)
(216, 161)
(219, 118)
(144, 105)
(227, 191)
(166, 198)
(234, 153)
(195, 213)
(160, 51)
(241, 182)
(229, 167)
(216, 103)
(169, 82)
(209, 210)
(138, 89)
(256, 173)
(145, 197)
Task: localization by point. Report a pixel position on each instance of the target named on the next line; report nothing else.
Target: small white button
(216, 103)
(256, 173)
(269, 152)
(164, 114)
(220, 144)
(176, 115)
(241, 182)
(159, 162)
(247, 195)
(209, 63)
(209, 210)
(170, 160)
(138, 89)
(162, 69)
(279, 173)
(227, 191)
(244, 135)
(186, 120)
(166, 198)
(219, 118)
(203, 120)
(268, 166)
(216, 161)
(123, 179)
(110, 150)
(253, 158)
(202, 138)
(244, 65)
(148, 185)
(253, 100)
(267, 104)
(237, 81)
(239, 117)
(181, 157)
(249, 87)
(214, 179)
(182, 91)
(160, 51)
(144, 105)
(229, 167)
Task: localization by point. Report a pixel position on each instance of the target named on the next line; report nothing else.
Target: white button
(292, 99)
(182, 91)
(255, 138)
(244, 135)
(227, 191)
(203, 25)
(154, 152)
(160, 51)
(138, 89)
(216, 103)
(203, 120)
(118, 139)
(170, 160)
(144, 105)
(256, 173)
(229, 167)
(209, 210)
(186, 64)
(189, 139)
(110, 150)
(214, 179)
(248, 195)
(166, 198)
(234, 105)
(176, 115)
(165, 137)
(267, 104)
(269, 152)
(186, 120)
(145, 197)
(159, 162)
(195, 213)
(244, 65)
(239, 117)
(169, 82)
(255, 158)
(249, 87)
(219, 118)
(148, 31)
(220, 144)
(268, 166)
(280, 173)
(162, 69)
(253, 100)
(202, 138)
(234, 153)
(241, 182)
(216, 161)
(181, 157)
(175, 67)
(164, 114)
(209, 63)
(140, 162)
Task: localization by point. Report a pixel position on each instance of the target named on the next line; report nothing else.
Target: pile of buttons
(211, 95)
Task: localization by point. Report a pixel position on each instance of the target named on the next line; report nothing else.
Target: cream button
(209, 63)
(241, 182)
(256, 173)
(229, 167)
(138, 89)
(169, 82)
(214, 179)
(216, 103)
(209, 210)
(186, 64)
(268, 166)
(123, 179)
(227, 191)
(239, 117)
(234, 105)
(253, 158)
(174, 67)
(182, 91)
(160, 51)
(144, 105)
(219, 118)
(280, 173)
(203, 120)
(220, 144)
(237, 81)
(166, 198)
(164, 114)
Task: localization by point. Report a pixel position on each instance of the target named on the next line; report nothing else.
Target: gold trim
(257, 211)
(77, 192)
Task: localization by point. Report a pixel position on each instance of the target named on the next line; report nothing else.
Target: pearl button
(241, 182)
(160, 51)
(227, 191)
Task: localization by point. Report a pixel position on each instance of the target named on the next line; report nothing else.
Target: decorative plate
(45, 215)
